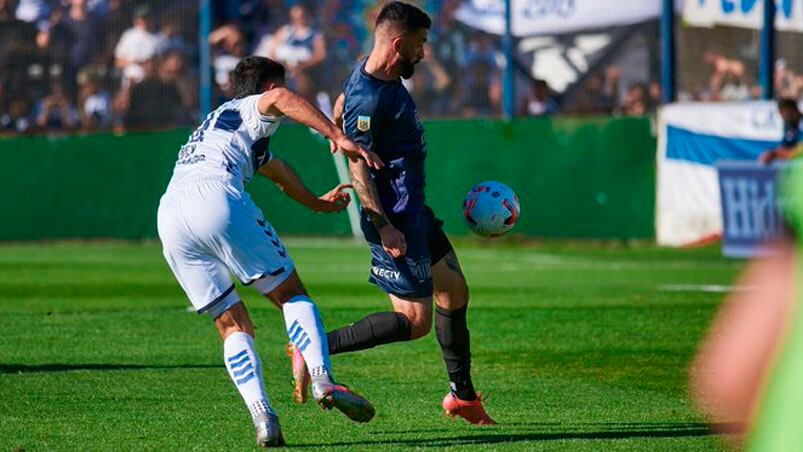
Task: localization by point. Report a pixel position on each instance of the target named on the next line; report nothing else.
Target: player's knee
(289, 289)
(420, 326)
(454, 298)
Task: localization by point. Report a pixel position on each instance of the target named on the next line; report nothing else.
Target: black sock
(376, 329)
(452, 332)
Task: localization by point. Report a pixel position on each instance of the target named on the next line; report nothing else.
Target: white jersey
(230, 145)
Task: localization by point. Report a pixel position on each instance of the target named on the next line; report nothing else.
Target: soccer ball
(491, 209)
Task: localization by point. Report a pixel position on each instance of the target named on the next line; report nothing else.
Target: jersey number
(227, 121)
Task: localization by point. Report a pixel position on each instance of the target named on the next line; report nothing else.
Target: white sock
(245, 370)
(305, 329)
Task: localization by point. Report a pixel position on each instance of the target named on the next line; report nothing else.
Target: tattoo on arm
(366, 192)
(452, 263)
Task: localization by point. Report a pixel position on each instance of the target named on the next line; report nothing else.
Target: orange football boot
(301, 377)
(472, 411)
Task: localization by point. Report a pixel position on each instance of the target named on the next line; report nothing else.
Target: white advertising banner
(550, 17)
(743, 13)
(692, 137)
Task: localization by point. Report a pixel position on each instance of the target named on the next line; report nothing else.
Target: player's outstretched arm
(286, 178)
(392, 239)
(282, 101)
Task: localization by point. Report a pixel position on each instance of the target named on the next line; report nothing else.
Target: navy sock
(451, 329)
(376, 329)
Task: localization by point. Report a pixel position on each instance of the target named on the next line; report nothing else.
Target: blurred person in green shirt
(750, 367)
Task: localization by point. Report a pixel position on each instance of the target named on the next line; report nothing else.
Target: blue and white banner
(692, 137)
(550, 17)
(743, 13)
(751, 212)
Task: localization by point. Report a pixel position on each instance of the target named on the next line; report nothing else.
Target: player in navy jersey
(412, 259)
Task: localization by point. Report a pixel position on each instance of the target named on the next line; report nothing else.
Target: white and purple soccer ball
(491, 209)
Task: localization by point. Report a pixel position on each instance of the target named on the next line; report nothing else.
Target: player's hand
(393, 241)
(334, 201)
(767, 157)
(354, 151)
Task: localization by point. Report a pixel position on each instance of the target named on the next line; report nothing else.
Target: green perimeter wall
(576, 178)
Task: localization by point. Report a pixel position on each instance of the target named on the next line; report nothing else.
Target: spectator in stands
(83, 29)
(786, 82)
(301, 48)
(137, 45)
(229, 48)
(55, 112)
(636, 101)
(14, 110)
(34, 11)
(15, 115)
(17, 39)
(599, 93)
(155, 102)
(481, 82)
(173, 70)
(450, 40)
(170, 38)
(94, 102)
(255, 18)
(656, 95)
(727, 80)
(116, 20)
(540, 100)
(430, 84)
(789, 147)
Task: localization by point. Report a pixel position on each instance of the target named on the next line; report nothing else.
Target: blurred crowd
(87, 65)
(731, 79)
(84, 65)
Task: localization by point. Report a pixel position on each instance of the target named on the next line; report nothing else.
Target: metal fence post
(205, 58)
(767, 57)
(509, 81)
(668, 48)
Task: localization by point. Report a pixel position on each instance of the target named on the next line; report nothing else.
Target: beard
(408, 68)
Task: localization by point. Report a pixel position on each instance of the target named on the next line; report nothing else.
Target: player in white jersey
(210, 228)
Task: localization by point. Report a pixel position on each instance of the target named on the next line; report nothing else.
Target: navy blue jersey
(791, 135)
(381, 116)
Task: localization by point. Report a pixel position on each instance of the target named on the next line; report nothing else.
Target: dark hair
(252, 73)
(406, 17)
(787, 103)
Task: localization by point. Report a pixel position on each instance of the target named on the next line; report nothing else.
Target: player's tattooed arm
(337, 110)
(280, 101)
(286, 178)
(337, 117)
(392, 239)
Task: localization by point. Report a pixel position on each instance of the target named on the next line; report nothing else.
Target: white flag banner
(550, 17)
(692, 138)
(743, 13)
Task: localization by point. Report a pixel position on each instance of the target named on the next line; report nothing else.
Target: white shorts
(210, 230)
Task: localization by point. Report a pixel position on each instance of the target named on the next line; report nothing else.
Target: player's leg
(451, 328)
(408, 283)
(207, 283)
(306, 332)
(245, 370)
(410, 319)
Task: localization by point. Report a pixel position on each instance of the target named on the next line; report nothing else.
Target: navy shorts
(410, 276)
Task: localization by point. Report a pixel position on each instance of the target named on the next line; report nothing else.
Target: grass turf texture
(578, 347)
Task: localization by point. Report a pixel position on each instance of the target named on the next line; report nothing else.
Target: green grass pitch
(578, 347)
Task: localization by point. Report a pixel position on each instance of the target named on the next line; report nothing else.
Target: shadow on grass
(588, 431)
(56, 367)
